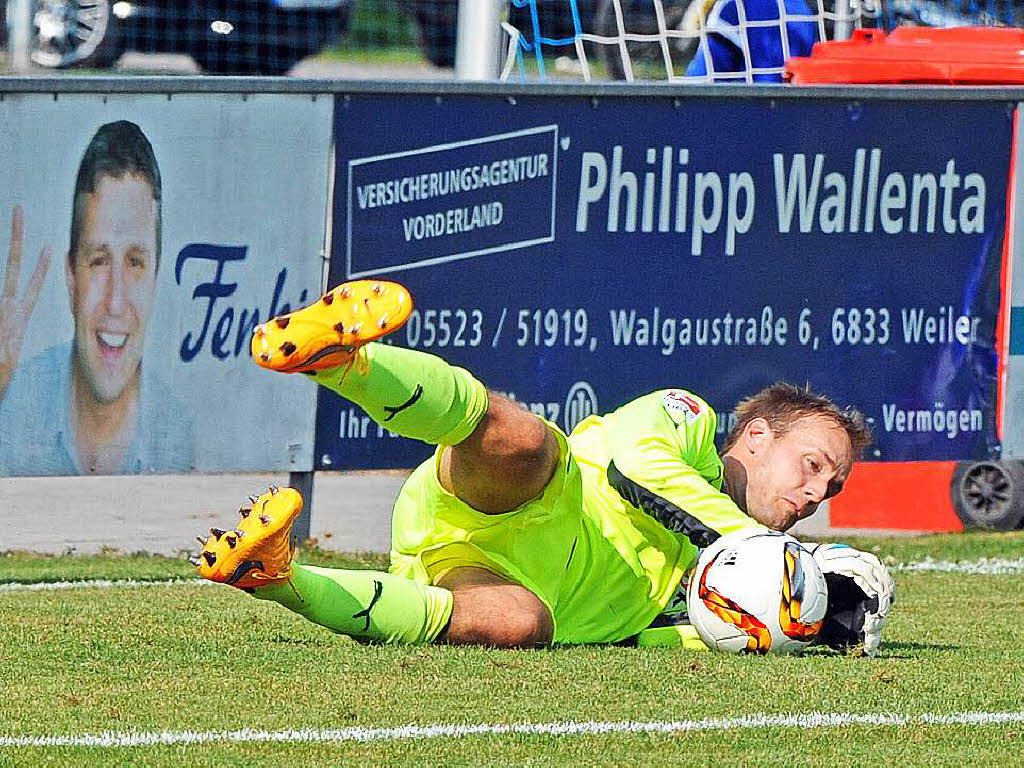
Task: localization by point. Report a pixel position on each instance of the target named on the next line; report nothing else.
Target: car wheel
(74, 33)
(647, 58)
(437, 25)
(229, 60)
(989, 494)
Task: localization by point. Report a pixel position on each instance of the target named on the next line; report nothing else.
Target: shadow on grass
(893, 650)
(303, 641)
(887, 651)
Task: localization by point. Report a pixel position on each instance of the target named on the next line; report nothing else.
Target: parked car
(224, 37)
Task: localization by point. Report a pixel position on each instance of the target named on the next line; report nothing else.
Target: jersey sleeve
(662, 444)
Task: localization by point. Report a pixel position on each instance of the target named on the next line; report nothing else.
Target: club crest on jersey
(676, 401)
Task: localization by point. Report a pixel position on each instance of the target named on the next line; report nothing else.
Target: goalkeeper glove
(860, 593)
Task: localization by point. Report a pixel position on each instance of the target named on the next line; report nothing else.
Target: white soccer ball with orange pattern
(757, 592)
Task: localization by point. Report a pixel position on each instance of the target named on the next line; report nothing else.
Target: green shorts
(433, 531)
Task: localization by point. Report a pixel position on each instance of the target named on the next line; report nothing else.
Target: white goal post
(19, 41)
(478, 39)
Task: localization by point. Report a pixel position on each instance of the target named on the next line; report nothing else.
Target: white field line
(47, 586)
(569, 728)
(982, 566)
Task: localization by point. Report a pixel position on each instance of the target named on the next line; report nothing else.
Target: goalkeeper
(517, 535)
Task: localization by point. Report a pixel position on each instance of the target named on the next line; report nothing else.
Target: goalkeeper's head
(791, 448)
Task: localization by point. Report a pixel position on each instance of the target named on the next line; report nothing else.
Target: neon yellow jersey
(657, 451)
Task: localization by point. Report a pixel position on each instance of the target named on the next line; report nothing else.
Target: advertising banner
(143, 238)
(578, 252)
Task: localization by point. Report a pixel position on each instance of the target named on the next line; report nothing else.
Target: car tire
(234, 60)
(989, 495)
(94, 42)
(437, 25)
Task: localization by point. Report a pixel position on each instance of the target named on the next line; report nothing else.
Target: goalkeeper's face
(788, 475)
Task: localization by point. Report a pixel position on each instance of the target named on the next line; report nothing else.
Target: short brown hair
(782, 405)
(116, 150)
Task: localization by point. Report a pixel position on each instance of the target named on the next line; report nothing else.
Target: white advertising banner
(141, 239)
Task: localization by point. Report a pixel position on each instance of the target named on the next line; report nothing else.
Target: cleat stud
(239, 533)
(383, 322)
(340, 328)
(282, 322)
(231, 540)
(258, 333)
(355, 329)
(217, 532)
(266, 357)
(254, 499)
(265, 519)
(210, 558)
(288, 349)
(274, 489)
(378, 289)
(244, 511)
(344, 292)
(201, 540)
(194, 561)
(328, 299)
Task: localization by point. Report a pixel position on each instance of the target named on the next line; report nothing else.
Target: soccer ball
(757, 592)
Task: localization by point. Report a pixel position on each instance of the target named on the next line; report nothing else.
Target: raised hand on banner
(16, 310)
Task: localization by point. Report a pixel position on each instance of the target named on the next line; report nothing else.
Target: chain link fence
(239, 37)
(595, 39)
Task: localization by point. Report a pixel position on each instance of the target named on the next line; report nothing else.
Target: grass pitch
(144, 662)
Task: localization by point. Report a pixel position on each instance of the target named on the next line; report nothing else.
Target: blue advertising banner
(578, 252)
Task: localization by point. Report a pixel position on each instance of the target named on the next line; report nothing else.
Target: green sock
(412, 393)
(367, 605)
(675, 635)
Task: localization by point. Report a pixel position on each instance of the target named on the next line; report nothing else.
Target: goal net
(676, 40)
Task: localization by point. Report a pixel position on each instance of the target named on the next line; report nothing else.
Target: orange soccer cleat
(258, 551)
(328, 333)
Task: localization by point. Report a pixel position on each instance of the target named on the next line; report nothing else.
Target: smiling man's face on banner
(112, 283)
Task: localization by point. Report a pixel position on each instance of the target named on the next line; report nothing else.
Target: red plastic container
(919, 55)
